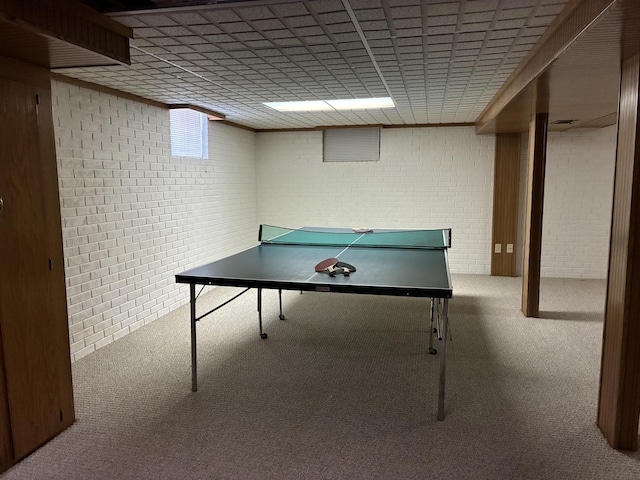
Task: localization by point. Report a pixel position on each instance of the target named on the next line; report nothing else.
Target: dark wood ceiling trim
(236, 125)
(287, 130)
(206, 111)
(431, 125)
(325, 127)
(570, 24)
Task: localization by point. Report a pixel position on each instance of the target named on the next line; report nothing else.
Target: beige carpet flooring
(344, 389)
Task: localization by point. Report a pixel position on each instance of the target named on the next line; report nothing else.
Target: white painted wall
(578, 198)
(133, 216)
(426, 178)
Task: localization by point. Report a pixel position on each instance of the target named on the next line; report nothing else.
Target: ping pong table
(388, 262)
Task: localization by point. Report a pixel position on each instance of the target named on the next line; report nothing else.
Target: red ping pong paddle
(327, 265)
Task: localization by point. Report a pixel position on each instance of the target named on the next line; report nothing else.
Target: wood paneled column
(619, 398)
(506, 181)
(535, 199)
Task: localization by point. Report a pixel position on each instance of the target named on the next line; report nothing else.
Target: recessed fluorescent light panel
(332, 105)
(299, 106)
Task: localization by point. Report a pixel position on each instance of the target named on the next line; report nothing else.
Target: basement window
(188, 133)
(351, 145)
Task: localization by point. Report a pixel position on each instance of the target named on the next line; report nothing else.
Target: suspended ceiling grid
(441, 61)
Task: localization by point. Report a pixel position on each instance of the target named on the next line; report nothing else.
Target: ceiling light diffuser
(312, 106)
(331, 105)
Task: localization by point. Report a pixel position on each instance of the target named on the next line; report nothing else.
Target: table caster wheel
(264, 335)
(432, 351)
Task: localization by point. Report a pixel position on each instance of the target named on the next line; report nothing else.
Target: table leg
(262, 334)
(281, 317)
(194, 360)
(432, 316)
(443, 358)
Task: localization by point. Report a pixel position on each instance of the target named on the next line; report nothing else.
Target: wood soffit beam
(571, 23)
(61, 33)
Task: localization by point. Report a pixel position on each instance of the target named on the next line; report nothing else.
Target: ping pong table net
(343, 237)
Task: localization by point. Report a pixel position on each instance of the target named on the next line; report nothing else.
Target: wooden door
(33, 321)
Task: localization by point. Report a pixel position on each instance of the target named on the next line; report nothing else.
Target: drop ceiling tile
(327, 6)
(148, 32)
(475, 27)
(481, 5)
(188, 18)
(219, 16)
(446, 40)
(409, 32)
(255, 13)
(205, 29)
(401, 10)
(513, 13)
(542, 20)
(192, 40)
(283, 42)
(158, 20)
(441, 31)
(290, 9)
(478, 17)
(551, 9)
(180, 49)
(409, 41)
(373, 25)
(349, 48)
(346, 37)
(515, 23)
(497, 34)
(218, 39)
(237, 56)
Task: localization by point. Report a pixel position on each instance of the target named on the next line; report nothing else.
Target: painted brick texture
(578, 197)
(133, 216)
(426, 178)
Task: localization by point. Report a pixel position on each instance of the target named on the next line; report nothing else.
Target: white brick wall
(578, 198)
(577, 202)
(133, 216)
(426, 178)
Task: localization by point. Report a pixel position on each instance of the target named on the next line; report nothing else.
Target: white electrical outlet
(498, 248)
(509, 247)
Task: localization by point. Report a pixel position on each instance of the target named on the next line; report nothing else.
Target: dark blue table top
(381, 271)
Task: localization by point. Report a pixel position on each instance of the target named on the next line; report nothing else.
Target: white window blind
(351, 145)
(188, 133)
